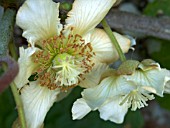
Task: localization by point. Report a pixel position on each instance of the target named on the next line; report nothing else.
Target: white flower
(167, 84)
(132, 85)
(60, 58)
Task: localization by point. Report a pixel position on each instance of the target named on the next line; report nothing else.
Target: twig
(149, 26)
(9, 75)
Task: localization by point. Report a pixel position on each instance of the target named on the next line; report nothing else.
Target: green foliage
(158, 7)
(7, 109)
(134, 119)
(165, 101)
(159, 51)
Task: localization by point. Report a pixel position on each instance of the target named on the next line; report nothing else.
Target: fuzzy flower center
(62, 61)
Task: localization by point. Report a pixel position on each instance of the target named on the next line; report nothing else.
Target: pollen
(63, 60)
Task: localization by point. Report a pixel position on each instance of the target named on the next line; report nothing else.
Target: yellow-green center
(63, 60)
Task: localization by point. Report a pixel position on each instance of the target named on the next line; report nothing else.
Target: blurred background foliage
(59, 115)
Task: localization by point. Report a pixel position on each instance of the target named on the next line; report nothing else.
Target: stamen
(63, 61)
(137, 99)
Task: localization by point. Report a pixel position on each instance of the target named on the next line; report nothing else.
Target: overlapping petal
(93, 78)
(39, 19)
(109, 110)
(109, 87)
(80, 109)
(37, 101)
(154, 78)
(113, 111)
(167, 84)
(103, 47)
(86, 14)
(26, 66)
(167, 87)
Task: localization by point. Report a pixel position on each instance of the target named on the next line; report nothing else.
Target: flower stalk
(19, 105)
(113, 39)
(16, 95)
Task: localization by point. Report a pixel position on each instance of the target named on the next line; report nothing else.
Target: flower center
(63, 60)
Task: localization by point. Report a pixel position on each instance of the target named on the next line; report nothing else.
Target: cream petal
(80, 109)
(113, 111)
(109, 87)
(154, 78)
(167, 87)
(103, 47)
(96, 96)
(39, 19)
(124, 42)
(37, 101)
(26, 66)
(86, 14)
(167, 83)
(93, 78)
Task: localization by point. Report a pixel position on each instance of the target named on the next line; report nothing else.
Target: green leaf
(158, 7)
(159, 51)
(164, 102)
(7, 109)
(134, 119)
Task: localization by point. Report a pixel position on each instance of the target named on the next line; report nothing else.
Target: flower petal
(80, 109)
(96, 96)
(39, 19)
(109, 87)
(86, 14)
(113, 111)
(26, 66)
(167, 87)
(154, 78)
(167, 83)
(103, 47)
(93, 78)
(37, 101)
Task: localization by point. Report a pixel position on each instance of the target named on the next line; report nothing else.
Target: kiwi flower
(61, 57)
(131, 85)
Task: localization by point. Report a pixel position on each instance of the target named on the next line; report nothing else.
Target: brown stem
(149, 26)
